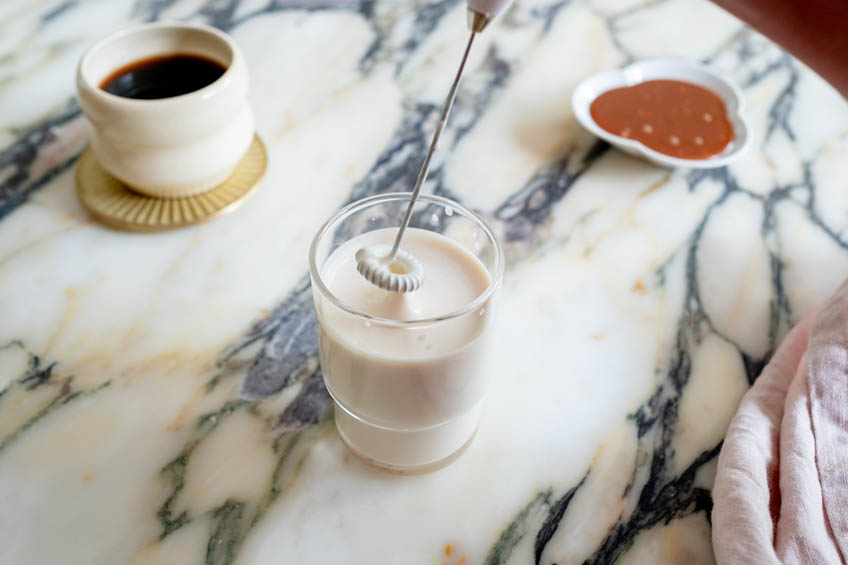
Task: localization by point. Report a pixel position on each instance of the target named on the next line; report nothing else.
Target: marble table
(161, 397)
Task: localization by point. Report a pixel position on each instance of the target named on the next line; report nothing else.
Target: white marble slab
(161, 396)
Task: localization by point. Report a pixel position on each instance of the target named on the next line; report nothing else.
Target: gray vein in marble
(37, 374)
(63, 397)
(661, 501)
(517, 529)
(57, 11)
(551, 523)
(426, 20)
(232, 520)
(16, 160)
(530, 207)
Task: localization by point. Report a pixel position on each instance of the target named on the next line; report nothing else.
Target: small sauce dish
(665, 69)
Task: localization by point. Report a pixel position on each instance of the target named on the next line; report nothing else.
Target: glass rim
(496, 272)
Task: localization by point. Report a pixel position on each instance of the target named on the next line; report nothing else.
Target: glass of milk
(407, 372)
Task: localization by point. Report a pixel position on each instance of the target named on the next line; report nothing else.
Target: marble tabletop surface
(161, 396)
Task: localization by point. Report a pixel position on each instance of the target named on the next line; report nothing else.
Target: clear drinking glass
(416, 408)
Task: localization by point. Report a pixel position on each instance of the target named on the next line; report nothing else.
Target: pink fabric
(781, 490)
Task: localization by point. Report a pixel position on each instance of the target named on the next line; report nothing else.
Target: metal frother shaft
(397, 270)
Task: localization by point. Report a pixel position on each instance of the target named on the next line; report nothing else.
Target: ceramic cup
(167, 147)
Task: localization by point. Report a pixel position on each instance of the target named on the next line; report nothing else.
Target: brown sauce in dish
(673, 117)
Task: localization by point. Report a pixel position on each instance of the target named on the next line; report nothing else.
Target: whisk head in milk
(401, 273)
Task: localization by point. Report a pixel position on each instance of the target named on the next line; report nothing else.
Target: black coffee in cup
(163, 76)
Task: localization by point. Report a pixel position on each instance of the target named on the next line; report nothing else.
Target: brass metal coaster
(113, 203)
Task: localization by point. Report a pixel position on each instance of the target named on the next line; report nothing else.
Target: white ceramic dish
(676, 69)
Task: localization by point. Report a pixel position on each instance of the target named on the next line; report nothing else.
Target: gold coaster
(113, 203)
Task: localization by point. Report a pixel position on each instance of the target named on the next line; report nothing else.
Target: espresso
(163, 76)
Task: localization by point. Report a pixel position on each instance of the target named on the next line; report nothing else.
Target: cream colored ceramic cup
(167, 147)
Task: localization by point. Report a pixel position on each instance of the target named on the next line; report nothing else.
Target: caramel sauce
(677, 118)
